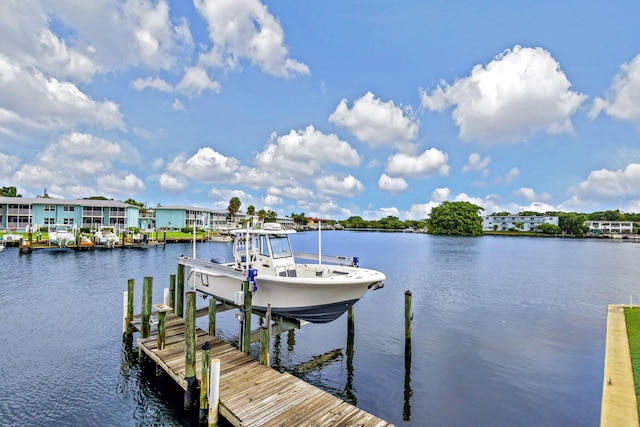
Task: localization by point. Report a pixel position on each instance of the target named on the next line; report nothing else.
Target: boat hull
(316, 300)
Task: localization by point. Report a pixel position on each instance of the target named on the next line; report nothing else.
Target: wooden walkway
(252, 394)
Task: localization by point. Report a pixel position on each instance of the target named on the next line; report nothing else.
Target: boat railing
(331, 259)
(203, 266)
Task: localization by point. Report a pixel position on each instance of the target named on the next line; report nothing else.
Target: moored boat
(61, 235)
(314, 292)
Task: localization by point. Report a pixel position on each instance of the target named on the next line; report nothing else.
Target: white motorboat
(61, 235)
(314, 292)
(2, 246)
(107, 236)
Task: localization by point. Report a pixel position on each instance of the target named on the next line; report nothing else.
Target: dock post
(130, 288)
(172, 292)
(264, 346)
(125, 315)
(204, 384)
(246, 318)
(214, 392)
(179, 308)
(147, 295)
(408, 317)
(212, 316)
(162, 329)
(190, 351)
(351, 320)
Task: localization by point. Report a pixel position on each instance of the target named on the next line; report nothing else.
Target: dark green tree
(251, 210)
(456, 218)
(548, 229)
(9, 192)
(271, 216)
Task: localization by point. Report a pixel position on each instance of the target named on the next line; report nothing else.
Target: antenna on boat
(194, 239)
(246, 247)
(319, 242)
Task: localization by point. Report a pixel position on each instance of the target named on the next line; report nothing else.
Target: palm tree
(234, 207)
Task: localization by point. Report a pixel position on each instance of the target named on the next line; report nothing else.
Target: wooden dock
(252, 394)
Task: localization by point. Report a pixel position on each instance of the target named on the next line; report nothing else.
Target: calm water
(506, 332)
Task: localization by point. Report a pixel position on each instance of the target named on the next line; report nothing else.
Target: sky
(331, 108)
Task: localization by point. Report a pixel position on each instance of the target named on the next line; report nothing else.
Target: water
(506, 331)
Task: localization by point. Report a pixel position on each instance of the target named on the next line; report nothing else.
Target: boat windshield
(280, 247)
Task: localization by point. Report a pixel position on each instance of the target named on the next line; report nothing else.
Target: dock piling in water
(204, 383)
(172, 292)
(179, 308)
(147, 295)
(190, 350)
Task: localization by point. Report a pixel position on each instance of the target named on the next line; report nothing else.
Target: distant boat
(61, 235)
(2, 246)
(106, 236)
(313, 292)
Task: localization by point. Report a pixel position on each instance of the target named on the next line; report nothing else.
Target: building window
(49, 208)
(69, 208)
(49, 221)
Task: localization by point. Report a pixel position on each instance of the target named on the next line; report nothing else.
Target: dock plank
(252, 395)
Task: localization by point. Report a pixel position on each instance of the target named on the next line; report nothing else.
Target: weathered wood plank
(252, 394)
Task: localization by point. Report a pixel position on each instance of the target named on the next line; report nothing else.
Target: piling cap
(206, 346)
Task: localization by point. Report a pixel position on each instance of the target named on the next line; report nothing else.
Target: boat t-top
(314, 292)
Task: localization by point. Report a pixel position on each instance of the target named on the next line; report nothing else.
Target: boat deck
(252, 394)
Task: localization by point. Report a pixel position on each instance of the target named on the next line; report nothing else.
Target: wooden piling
(212, 316)
(190, 350)
(214, 392)
(264, 346)
(351, 320)
(147, 295)
(162, 331)
(130, 288)
(204, 383)
(246, 318)
(179, 308)
(408, 316)
(172, 291)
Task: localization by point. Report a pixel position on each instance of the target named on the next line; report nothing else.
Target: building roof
(75, 202)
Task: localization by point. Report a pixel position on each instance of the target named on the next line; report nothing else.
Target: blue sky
(331, 108)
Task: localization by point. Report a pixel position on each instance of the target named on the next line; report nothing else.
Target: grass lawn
(632, 317)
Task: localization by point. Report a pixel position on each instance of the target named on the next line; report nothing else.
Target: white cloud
(604, 184)
(392, 185)
(301, 153)
(8, 164)
(419, 211)
(171, 183)
(333, 186)
(292, 192)
(533, 207)
(476, 163)
(206, 165)
(177, 105)
(380, 213)
(245, 29)
(153, 83)
(518, 93)
(530, 195)
(32, 102)
(121, 184)
(623, 100)
(512, 175)
(272, 200)
(428, 163)
(377, 123)
(195, 81)
(440, 194)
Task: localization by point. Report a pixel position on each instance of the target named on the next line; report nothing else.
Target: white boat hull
(317, 293)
